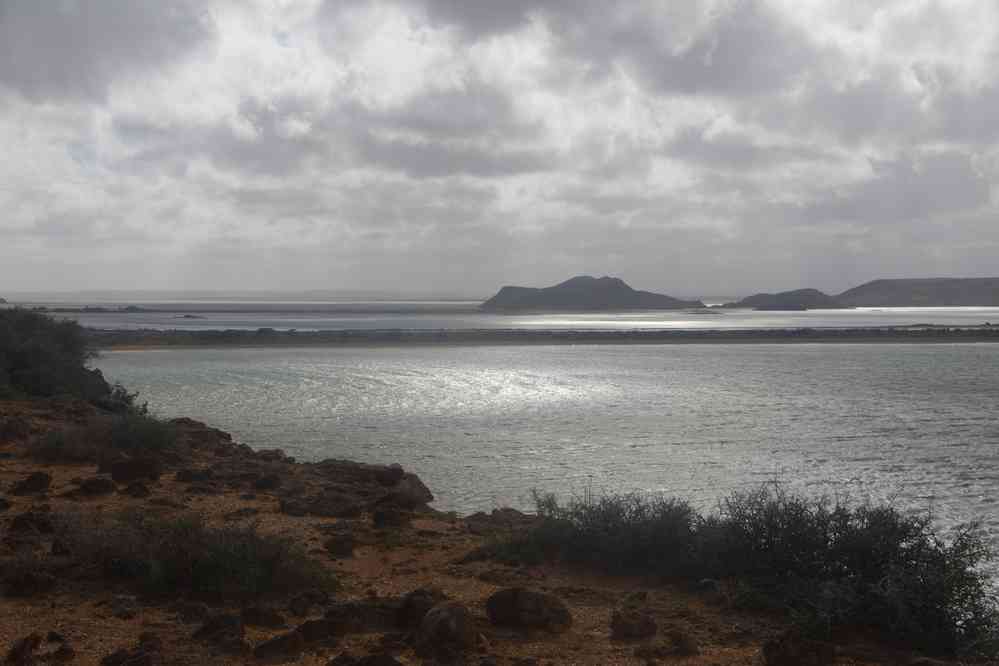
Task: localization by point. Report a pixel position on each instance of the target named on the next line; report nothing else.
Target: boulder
(135, 469)
(137, 489)
(4, 504)
(97, 485)
(528, 609)
(285, 647)
(22, 652)
(632, 624)
(416, 604)
(261, 616)
(447, 629)
(223, 631)
(36, 482)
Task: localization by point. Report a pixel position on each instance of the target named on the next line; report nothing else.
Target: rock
(33, 522)
(36, 482)
(59, 549)
(64, 652)
(4, 504)
(793, 650)
(386, 518)
(528, 609)
(97, 485)
(194, 475)
(285, 647)
(267, 482)
(447, 630)
(317, 631)
(416, 604)
(137, 489)
(499, 521)
(190, 612)
(27, 584)
(260, 616)
(273, 455)
(408, 493)
(146, 653)
(632, 624)
(22, 652)
(224, 632)
(54, 637)
(124, 607)
(364, 616)
(302, 604)
(135, 469)
(684, 644)
(328, 504)
(340, 546)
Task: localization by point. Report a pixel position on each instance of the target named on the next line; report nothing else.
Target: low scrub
(185, 557)
(830, 565)
(132, 432)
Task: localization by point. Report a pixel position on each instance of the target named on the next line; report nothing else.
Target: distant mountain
(799, 299)
(583, 293)
(924, 292)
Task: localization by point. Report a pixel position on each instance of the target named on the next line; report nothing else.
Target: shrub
(44, 357)
(183, 556)
(132, 432)
(828, 565)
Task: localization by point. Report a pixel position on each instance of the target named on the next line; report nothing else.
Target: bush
(132, 432)
(183, 556)
(829, 565)
(44, 357)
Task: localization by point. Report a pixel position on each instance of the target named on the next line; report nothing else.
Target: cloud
(78, 49)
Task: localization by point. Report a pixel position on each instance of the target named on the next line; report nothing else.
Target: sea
(487, 426)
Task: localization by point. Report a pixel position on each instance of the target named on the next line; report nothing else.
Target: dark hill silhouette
(799, 299)
(583, 293)
(924, 292)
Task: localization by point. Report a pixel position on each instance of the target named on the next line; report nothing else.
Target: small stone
(632, 624)
(97, 485)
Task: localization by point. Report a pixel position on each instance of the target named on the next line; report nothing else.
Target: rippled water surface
(484, 425)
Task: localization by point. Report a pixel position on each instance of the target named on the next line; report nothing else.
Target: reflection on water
(485, 425)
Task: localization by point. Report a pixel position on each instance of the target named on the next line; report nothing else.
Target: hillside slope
(583, 293)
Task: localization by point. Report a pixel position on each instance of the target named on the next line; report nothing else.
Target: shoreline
(121, 339)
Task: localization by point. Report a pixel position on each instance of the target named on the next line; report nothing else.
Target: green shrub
(828, 565)
(183, 556)
(44, 357)
(131, 432)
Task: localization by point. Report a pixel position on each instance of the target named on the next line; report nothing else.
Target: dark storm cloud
(76, 48)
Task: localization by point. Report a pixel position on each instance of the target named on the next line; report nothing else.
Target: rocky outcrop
(581, 294)
(798, 299)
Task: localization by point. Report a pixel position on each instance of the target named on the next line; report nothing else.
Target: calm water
(210, 315)
(484, 425)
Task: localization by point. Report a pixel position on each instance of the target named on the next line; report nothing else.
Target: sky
(692, 147)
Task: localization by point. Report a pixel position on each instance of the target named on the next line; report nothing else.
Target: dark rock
(224, 632)
(97, 485)
(391, 475)
(190, 612)
(33, 521)
(330, 504)
(272, 455)
(303, 604)
(684, 644)
(793, 650)
(203, 489)
(63, 653)
(267, 482)
(528, 609)
(22, 652)
(285, 647)
(4, 504)
(387, 518)
(54, 637)
(146, 653)
(124, 607)
(260, 616)
(59, 548)
(317, 631)
(409, 493)
(241, 514)
(137, 489)
(632, 624)
(499, 521)
(194, 475)
(447, 630)
(14, 427)
(36, 482)
(135, 469)
(364, 616)
(340, 546)
(416, 604)
(27, 584)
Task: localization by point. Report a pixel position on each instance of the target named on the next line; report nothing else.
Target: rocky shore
(408, 587)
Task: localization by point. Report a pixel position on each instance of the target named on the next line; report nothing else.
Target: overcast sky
(691, 147)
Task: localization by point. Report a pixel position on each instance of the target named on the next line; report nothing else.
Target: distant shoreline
(142, 339)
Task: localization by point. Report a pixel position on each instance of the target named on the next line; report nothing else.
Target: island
(583, 293)
(924, 292)
(798, 299)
